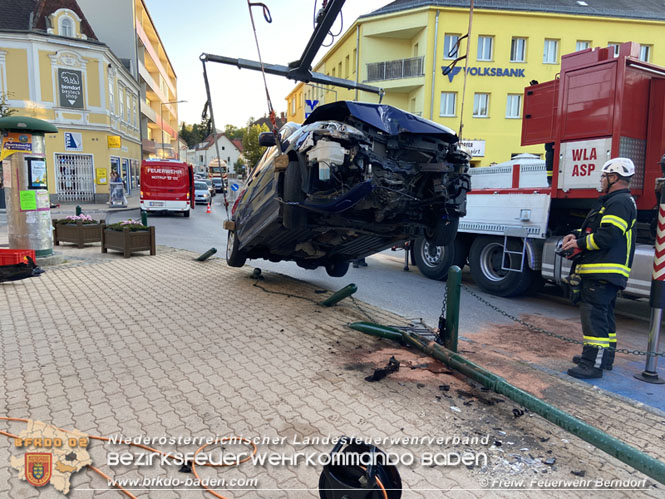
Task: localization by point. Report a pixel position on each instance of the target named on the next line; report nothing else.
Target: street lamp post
(161, 118)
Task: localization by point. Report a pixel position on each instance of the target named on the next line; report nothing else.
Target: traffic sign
(234, 187)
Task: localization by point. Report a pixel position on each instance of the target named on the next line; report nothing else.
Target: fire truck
(603, 104)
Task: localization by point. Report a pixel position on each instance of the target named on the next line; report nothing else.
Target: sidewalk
(165, 345)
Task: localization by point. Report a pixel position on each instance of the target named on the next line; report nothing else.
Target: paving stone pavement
(165, 345)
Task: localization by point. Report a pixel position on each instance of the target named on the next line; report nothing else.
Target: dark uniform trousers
(598, 324)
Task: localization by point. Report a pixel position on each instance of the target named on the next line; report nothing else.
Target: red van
(167, 185)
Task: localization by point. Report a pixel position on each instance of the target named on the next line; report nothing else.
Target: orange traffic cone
(208, 210)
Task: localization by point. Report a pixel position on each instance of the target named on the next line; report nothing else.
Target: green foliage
(250, 143)
(5, 110)
(233, 132)
(240, 167)
(132, 225)
(193, 134)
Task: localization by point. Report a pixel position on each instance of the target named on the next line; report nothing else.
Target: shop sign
(477, 147)
(71, 88)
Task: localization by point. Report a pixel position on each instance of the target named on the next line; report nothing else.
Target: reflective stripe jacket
(608, 239)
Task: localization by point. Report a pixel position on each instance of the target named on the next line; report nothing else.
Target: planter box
(129, 242)
(77, 233)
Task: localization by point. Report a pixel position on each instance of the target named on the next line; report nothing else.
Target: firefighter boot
(584, 371)
(608, 366)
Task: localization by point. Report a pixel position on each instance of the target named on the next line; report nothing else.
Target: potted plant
(128, 236)
(77, 229)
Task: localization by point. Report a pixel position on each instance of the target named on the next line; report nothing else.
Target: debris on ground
(379, 374)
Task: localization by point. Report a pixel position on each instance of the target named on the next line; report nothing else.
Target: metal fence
(392, 70)
(75, 177)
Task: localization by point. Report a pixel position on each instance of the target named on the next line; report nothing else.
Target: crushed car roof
(383, 117)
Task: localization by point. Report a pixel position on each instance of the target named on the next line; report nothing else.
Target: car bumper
(148, 205)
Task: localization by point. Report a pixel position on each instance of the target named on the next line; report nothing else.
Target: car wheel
(434, 261)
(444, 231)
(185, 214)
(234, 257)
(337, 269)
(293, 217)
(485, 258)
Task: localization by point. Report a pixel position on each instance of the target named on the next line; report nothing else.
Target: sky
(223, 27)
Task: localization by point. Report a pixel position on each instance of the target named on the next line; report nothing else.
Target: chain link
(537, 329)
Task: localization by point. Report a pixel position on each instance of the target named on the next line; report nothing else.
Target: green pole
(206, 255)
(144, 217)
(613, 446)
(340, 295)
(454, 287)
(78, 210)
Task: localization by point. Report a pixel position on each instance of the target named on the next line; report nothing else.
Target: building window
(615, 46)
(121, 104)
(582, 45)
(129, 105)
(514, 106)
(111, 97)
(518, 50)
(550, 54)
(134, 112)
(66, 27)
(293, 105)
(355, 60)
(450, 49)
(481, 105)
(485, 48)
(448, 103)
(346, 67)
(645, 52)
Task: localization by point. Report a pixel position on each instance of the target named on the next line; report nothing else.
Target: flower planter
(128, 242)
(77, 233)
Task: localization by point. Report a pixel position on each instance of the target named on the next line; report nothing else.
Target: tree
(233, 132)
(5, 110)
(192, 134)
(250, 143)
(240, 167)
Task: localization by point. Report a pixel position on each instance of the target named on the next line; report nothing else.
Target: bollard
(339, 295)
(78, 210)
(144, 217)
(656, 298)
(453, 289)
(613, 446)
(205, 255)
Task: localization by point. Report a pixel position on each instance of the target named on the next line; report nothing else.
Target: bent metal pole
(613, 446)
(656, 298)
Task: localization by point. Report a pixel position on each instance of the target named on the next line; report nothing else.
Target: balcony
(397, 69)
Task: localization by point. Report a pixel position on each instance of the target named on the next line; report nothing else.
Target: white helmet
(623, 167)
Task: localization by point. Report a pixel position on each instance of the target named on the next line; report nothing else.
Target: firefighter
(607, 244)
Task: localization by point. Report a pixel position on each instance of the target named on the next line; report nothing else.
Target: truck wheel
(337, 269)
(293, 217)
(444, 231)
(185, 214)
(234, 257)
(434, 261)
(485, 261)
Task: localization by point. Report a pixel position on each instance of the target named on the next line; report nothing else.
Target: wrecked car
(352, 180)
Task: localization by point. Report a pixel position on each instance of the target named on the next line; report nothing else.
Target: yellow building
(404, 46)
(52, 67)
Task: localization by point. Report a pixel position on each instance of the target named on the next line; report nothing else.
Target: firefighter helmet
(623, 167)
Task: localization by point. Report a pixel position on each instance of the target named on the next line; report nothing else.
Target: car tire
(234, 257)
(293, 217)
(434, 261)
(185, 214)
(485, 259)
(337, 269)
(444, 231)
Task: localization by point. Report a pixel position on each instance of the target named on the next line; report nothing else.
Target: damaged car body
(353, 180)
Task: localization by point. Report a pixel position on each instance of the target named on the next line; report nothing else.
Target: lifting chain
(537, 329)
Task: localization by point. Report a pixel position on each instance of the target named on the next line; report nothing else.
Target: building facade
(405, 46)
(205, 152)
(128, 29)
(53, 67)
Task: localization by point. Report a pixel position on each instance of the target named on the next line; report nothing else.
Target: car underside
(345, 189)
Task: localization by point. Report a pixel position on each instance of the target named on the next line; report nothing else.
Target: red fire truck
(167, 185)
(601, 106)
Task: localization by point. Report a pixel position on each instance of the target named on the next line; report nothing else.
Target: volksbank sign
(486, 71)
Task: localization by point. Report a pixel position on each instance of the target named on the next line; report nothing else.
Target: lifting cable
(208, 107)
(268, 18)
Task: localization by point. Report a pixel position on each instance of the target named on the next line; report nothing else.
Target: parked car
(353, 180)
(211, 188)
(201, 192)
(217, 183)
